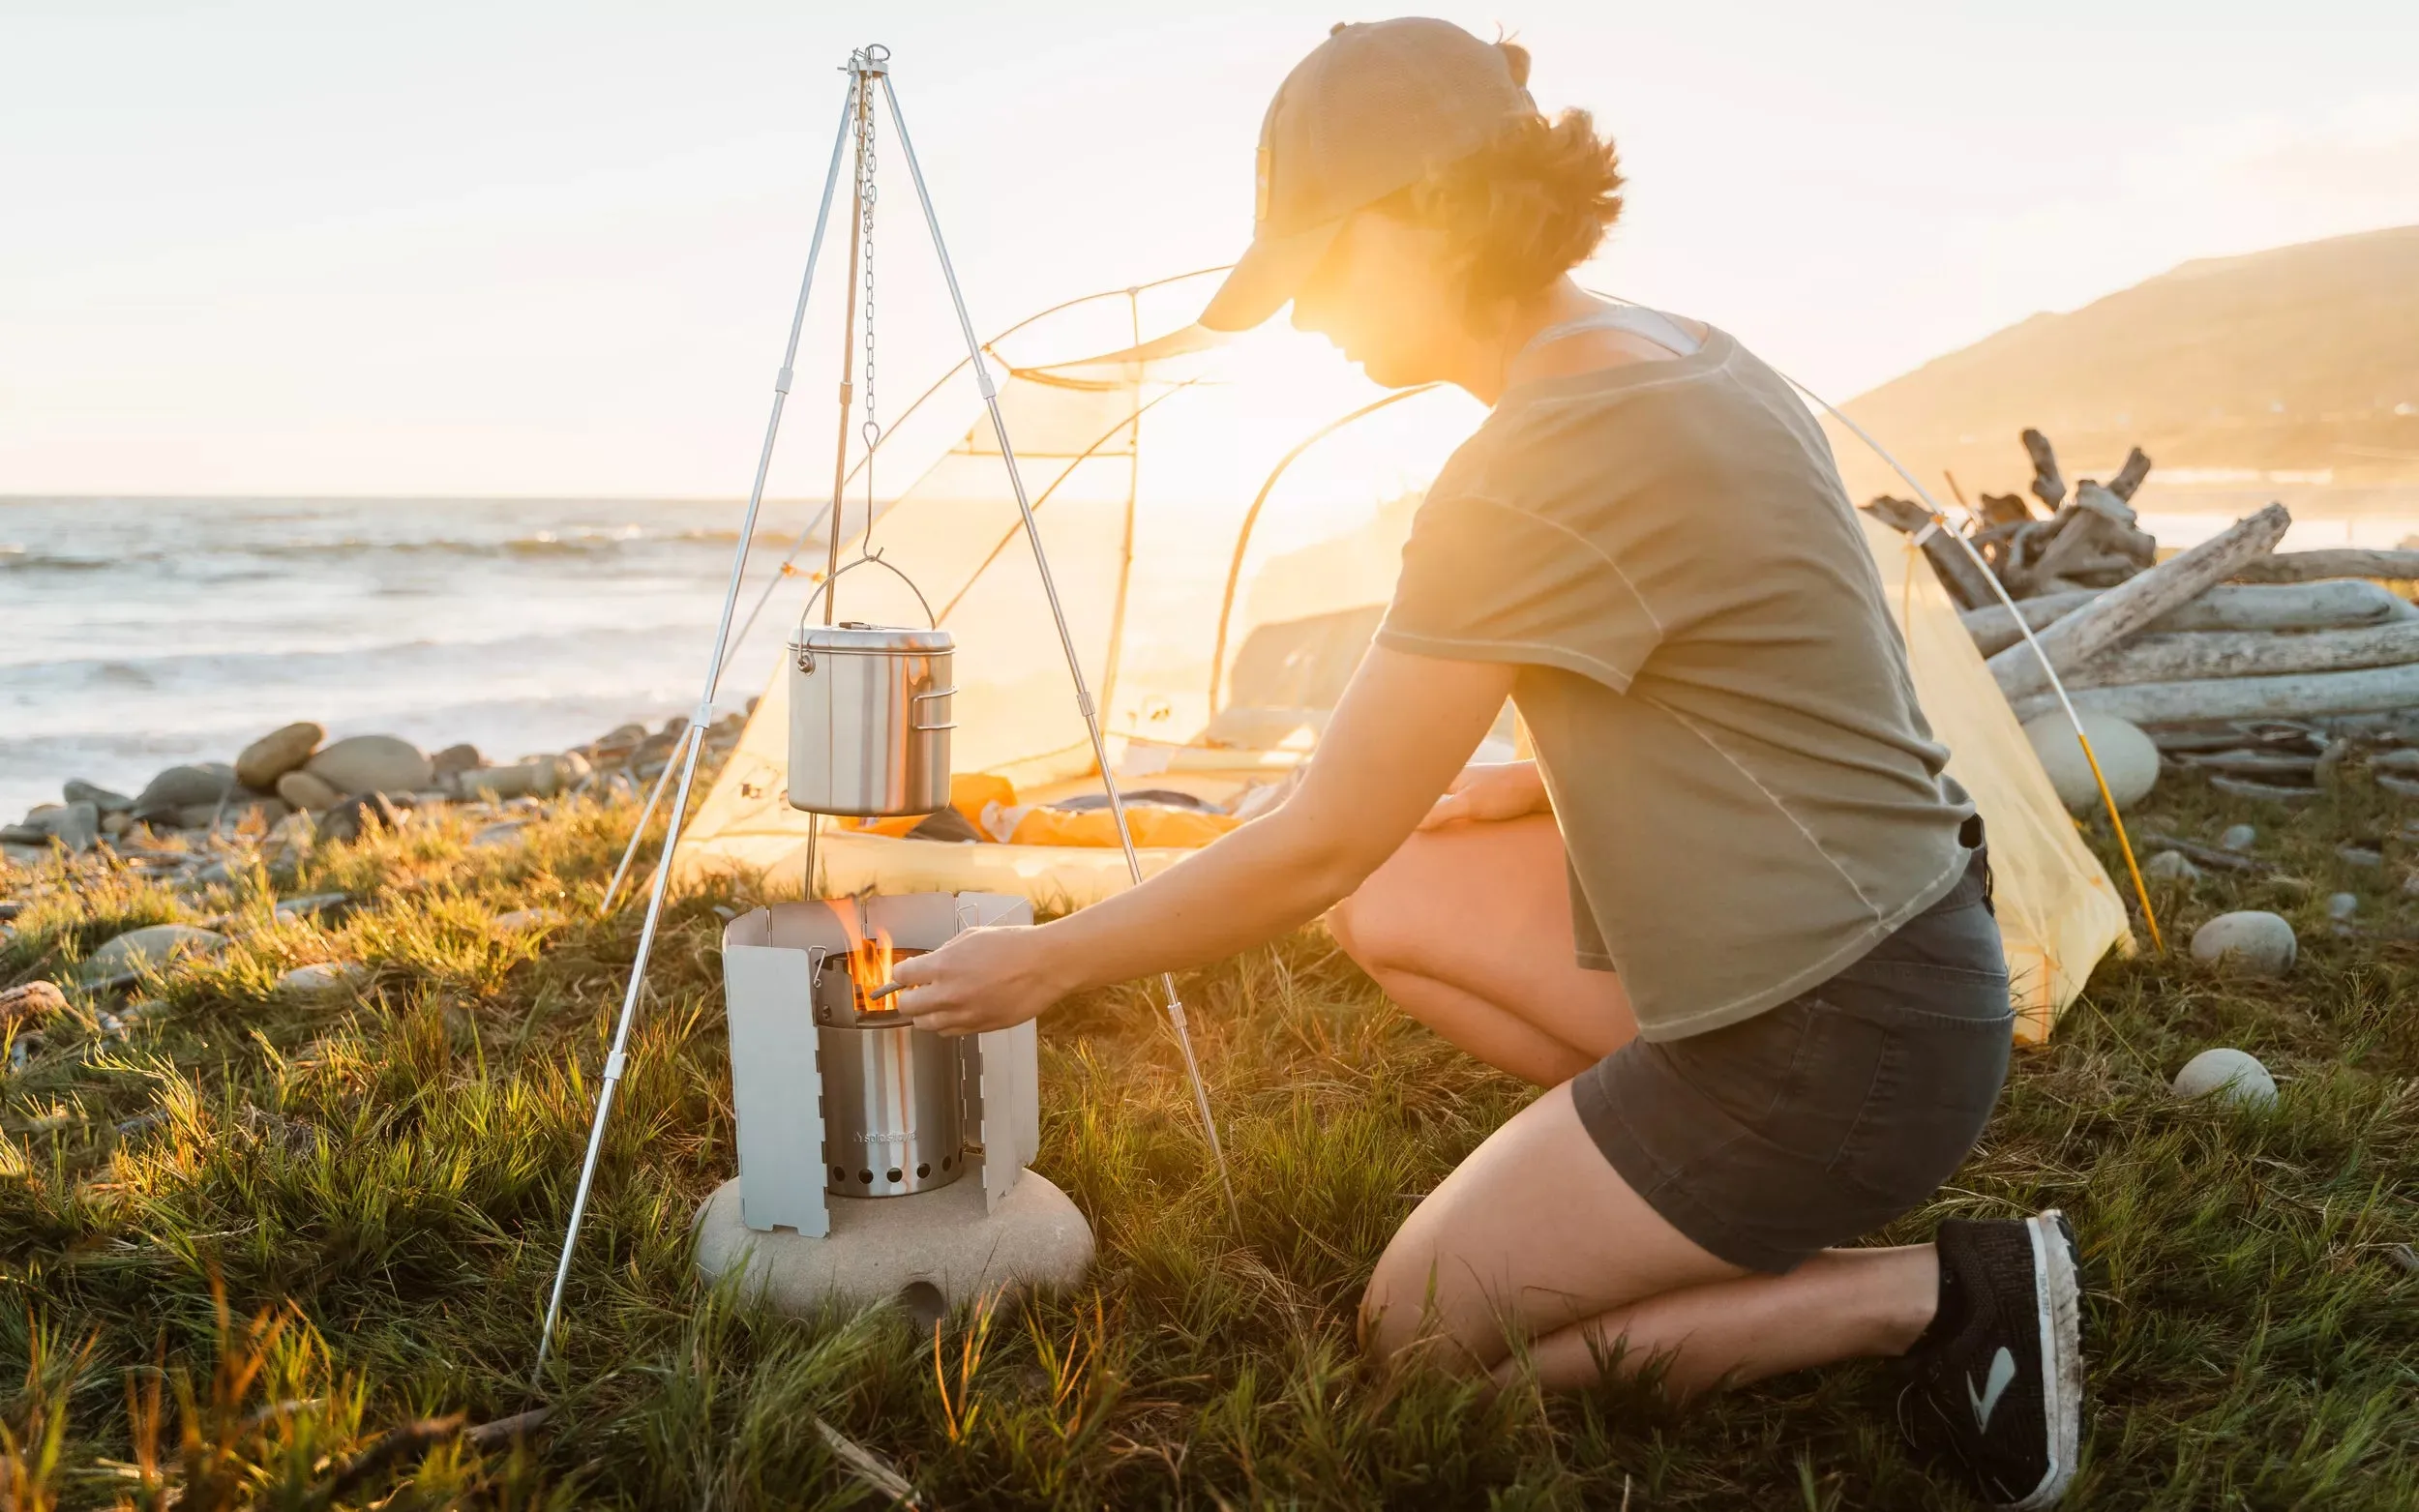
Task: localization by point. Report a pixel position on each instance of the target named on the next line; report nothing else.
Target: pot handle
(878, 560)
(916, 699)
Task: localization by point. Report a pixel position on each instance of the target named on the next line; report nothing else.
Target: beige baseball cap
(1371, 110)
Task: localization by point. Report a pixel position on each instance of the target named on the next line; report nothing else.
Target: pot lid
(856, 635)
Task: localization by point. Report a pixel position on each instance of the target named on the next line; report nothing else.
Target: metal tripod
(868, 69)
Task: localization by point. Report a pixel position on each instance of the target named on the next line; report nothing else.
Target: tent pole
(616, 1060)
(1067, 637)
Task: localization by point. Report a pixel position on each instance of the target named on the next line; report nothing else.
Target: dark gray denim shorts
(1819, 1120)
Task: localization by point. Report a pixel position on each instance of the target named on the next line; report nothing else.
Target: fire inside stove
(893, 1114)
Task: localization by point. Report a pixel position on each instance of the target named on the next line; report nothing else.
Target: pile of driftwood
(2230, 646)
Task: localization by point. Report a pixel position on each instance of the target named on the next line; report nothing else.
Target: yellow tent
(1221, 577)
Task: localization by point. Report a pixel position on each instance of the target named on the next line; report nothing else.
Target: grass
(259, 1252)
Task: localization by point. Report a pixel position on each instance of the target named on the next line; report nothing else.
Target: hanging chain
(870, 430)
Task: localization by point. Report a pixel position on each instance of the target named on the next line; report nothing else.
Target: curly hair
(1525, 209)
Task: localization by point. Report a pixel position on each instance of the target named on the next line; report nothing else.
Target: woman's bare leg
(1468, 928)
(1535, 1237)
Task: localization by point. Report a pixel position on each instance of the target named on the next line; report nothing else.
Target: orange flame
(869, 960)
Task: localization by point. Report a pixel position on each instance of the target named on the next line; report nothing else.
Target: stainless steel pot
(869, 719)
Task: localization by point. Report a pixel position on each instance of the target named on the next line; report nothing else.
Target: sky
(516, 248)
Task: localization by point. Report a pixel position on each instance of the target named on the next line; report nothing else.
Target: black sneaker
(2001, 1371)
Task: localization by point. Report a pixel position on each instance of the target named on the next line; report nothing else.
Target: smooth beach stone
(180, 786)
(155, 946)
(324, 979)
(371, 763)
(349, 818)
(2169, 866)
(2238, 837)
(278, 753)
(2342, 905)
(2235, 1075)
(540, 777)
(2249, 939)
(308, 792)
(33, 1003)
(79, 790)
(2360, 855)
(455, 760)
(519, 919)
(2127, 760)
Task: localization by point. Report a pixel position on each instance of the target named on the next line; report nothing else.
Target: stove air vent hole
(923, 1302)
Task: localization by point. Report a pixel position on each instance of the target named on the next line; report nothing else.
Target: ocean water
(138, 632)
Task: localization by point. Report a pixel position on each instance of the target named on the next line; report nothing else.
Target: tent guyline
(868, 70)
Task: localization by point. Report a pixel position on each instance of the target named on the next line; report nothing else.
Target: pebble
(2127, 760)
(2238, 837)
(520, 919)
(2342, 905)
(278, 753)
(541, 777)
(2171, 866)
(2360, 855)
(347, 819)
(325, 979)
(33, 1002)
(455, 760)
(2235, 1076)
(330, 907)
(154, 945)
(2410, 883)
(181, 786)
(2249, 940)
(507, 833)
(361, 764)
(308, 791)
(79, 790)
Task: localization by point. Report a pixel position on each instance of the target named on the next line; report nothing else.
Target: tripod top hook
(872, 58)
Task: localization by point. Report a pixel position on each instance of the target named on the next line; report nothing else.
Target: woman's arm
(1400, 733)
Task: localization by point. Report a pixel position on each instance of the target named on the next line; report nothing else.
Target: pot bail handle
(876, 557)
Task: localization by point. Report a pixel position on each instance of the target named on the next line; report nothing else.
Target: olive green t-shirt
(1748, 791)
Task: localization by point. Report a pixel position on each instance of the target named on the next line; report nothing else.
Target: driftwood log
(1969, 586)
(2293, 696)
(2331, 562)
(2132, 605)
(2336, 603)
(2246, 653)
(2047, 486)
(2130, 476)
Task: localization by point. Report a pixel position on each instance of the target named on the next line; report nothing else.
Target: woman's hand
(1490, 791)
(981, 979)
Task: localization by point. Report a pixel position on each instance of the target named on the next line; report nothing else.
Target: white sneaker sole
(2058, 1295)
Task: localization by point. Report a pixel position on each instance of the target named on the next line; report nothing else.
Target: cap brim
(1272, 269)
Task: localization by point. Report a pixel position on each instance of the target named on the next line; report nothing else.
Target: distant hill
(2301, 359)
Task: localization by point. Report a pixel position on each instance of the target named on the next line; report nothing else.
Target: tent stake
(1067, 637)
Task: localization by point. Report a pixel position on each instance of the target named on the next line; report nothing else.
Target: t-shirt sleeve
(1483, 580)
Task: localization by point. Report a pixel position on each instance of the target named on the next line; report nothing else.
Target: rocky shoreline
(294, 788)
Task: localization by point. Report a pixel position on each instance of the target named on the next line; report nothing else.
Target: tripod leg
(638, 831)
(616, 1060)
(1067, 637)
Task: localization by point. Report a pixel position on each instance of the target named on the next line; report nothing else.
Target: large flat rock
(929, 1250)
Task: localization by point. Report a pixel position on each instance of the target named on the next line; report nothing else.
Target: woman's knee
(1378, 924)
(1417, 1306)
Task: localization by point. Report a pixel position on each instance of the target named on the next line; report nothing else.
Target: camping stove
(840, 1097)
(858, 1130)
(893, 1094)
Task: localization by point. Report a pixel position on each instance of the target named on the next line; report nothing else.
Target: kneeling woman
(1734, 918)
